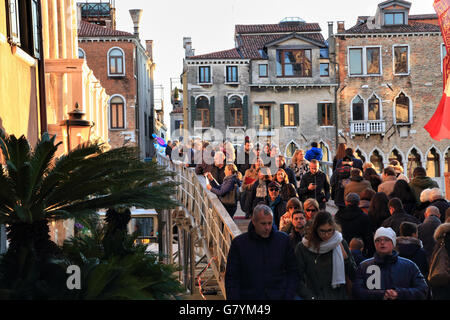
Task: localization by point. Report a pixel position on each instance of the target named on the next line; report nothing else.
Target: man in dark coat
(387, 276)
(420, 182)
(398, 215)
(245, 158)
(217, 169)
(261, 264)
(410, 247)
(168, 150)
(298, 228)
(315, 184)
(427, 228)
(355, 223)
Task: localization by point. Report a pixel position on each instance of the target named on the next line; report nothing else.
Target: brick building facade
(125, 68)
(391, 84)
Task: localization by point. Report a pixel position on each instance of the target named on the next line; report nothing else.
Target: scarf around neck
(338, 276)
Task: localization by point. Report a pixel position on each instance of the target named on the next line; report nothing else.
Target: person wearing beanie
(387, 276)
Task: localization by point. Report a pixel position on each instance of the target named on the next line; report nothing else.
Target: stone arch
(415, 159)
(434, 168)
(361, 154)
(377, 158)
(410, 110)
(292, 150)
(380, 106)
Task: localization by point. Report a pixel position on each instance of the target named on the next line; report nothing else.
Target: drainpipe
(41, 76)
(333, 60)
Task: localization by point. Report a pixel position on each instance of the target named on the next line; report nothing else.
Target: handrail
(216, 229)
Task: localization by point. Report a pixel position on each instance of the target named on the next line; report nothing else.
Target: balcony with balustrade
(367, 127)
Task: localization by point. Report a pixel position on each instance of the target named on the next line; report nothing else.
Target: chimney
(330, 29)
(341, 27)
(149, 48)
(187, 45)
(136, 15)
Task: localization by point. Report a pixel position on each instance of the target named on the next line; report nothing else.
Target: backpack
(439, 274)
(343, 174)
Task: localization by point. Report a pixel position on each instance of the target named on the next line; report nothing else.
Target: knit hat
(386, 232)
(274, 184)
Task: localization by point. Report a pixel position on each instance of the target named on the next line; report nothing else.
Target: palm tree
(36, 188)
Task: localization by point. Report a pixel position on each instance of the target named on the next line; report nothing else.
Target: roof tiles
(86, 29)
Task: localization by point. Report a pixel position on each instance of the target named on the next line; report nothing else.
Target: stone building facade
(125, 69)
(276, 84)
(391, 84)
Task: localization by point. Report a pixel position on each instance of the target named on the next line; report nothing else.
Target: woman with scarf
(325, 261)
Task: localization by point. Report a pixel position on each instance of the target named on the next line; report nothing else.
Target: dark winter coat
(426, 234)
(316, 271)
(322, 190)
(356, 163)
(339, 179)
(313, 153)
(288, 191)
(216, 172)
(254, 198)
(358, 256)
(356, 224)
(295, 238)
(168, 152)
(290, 173)
(397, 273)
(396, 219)
(356, 185)
(278, 208)
(411, 248)
(442, 205)
(418, 184)
(261, 268)
(442, 237)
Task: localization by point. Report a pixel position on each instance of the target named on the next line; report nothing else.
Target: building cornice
(217, 61)
(291, 85)
(387, 35)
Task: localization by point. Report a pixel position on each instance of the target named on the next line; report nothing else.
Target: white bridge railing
(215, 227)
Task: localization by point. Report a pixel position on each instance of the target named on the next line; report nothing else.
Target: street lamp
(75, 130)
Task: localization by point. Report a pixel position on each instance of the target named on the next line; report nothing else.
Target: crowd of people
(388, 239)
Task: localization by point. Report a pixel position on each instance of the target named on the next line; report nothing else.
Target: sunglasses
(310, 210)
(274, 189)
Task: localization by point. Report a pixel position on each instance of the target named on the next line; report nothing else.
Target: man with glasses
(274, 201)
(387, 276)
(315, 184)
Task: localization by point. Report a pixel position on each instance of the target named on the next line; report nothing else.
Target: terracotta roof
(86, 29)
(413, 26)
(225, 54)
(280, 27)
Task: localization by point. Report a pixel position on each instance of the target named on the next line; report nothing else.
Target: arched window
(433, 164)
(377, 161)
(81, 54)
(290, 149)
(414, 161)
(402, 114)
(358, 108)
(116, 62)
(202, 106)
(236, 119)
(117, 113)
(359, 155)
(374, 108)
(395, 155)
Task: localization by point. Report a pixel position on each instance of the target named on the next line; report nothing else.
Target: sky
(210, 24)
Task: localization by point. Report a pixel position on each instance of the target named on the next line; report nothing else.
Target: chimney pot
(341, 26)
(136, 15)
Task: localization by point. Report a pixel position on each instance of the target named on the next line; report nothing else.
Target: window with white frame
(401, 59)
(263, 71)
(364, 61)
(394, 18)
(81, 54)
(116, 59)
(117, 113)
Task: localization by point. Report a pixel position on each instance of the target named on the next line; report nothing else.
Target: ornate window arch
(374, 107)
(290, 149)
(377, 159)
(415, 158)
(235, 103)
(433, 162)
(360, 154)
(402, 109)
(357, 108)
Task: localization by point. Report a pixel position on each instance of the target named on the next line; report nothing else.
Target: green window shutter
(226, 110)
(212, 122)
(193, 111)
(245, 111)
(281, 114)
(319, 114)
(296, 115)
